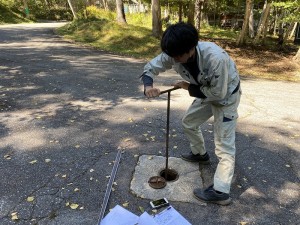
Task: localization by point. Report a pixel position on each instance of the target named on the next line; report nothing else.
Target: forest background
(262, 36)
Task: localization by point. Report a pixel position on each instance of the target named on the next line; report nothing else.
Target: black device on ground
(156, 204)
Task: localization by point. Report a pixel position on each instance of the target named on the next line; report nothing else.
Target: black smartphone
(156, 204)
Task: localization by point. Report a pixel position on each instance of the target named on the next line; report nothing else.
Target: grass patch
(129, 40)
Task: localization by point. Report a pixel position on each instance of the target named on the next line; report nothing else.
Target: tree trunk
(198, 8)
(251, 22)
(288, 31)
(105, 5)
(180, 11)
(71, 7)
(191, 12)
(120, 12)
(297, 56)
(242, 37)
(264, 21)
(293, 31)
(276, 21)
(156, 19)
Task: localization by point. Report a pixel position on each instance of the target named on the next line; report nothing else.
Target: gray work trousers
(225, 117)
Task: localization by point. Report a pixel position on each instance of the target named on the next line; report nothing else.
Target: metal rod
(169, 90)
(168, 128)
(109, 186)
(167, 135)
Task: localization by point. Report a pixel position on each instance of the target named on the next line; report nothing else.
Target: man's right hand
(151, 92)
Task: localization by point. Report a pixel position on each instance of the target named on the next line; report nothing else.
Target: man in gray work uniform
(212, 78)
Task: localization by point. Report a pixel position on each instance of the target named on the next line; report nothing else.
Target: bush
(92, 12)
(59, 13)
(140, 19)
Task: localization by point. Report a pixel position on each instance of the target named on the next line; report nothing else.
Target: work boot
(202, 159)
(210, 195)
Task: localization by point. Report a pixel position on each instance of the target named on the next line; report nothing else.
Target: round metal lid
(157, 182)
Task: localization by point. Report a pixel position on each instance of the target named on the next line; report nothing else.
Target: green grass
(7, 16)
(129, 40)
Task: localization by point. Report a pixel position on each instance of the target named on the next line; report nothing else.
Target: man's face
(184, 58)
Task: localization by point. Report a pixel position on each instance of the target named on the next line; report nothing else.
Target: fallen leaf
(287, 165)
(92, 170)
(67, 203)
(33, 162)
(47, 160)
(150, 157)
(141, 209)
(127, 139)
(14, 216)
(7, 157)
(77, 146)
(30, 199)
(243, 223)
(64, 176)
(135, 156)
(74, 206)
(76, 189)
(125, 204)
(154, 211)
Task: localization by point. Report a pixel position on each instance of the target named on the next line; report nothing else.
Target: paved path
(66, 110)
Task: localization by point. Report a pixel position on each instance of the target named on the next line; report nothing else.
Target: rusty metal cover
(157, 182)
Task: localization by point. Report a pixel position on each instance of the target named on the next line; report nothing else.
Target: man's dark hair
(179, 39)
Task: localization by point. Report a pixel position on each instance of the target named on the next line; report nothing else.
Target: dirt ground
(264, 63)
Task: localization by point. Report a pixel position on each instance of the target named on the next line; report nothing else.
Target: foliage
(291, 9)
(217, 33)
(131, 40)
(142, 19)
(93, 12)
(8, 16)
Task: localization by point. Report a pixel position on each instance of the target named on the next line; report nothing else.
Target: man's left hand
(182, 84)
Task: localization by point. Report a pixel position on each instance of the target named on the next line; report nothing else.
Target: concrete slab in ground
(180, 190)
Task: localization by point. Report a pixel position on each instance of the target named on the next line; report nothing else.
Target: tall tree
(120, 11)
(242, 37)
(191, 12)
(251, 22)
(297, 56)
(156, 19)
(264, 21)
(198, 9)
(72, 9)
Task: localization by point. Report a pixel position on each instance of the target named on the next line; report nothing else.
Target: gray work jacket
(218, 76)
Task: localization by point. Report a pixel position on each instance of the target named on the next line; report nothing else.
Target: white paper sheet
(170, 217)
(119, 216)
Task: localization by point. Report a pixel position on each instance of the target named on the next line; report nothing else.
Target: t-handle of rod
(169, 90)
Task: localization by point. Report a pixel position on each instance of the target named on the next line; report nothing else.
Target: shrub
(92, 12)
